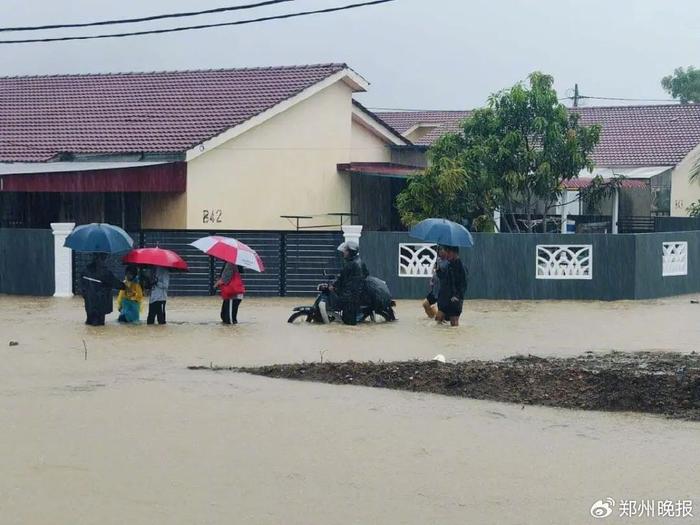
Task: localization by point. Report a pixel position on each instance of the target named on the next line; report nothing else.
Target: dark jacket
(453, 281)
(350, 284)
(97, 284)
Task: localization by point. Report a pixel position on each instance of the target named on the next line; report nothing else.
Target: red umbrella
(155, 257)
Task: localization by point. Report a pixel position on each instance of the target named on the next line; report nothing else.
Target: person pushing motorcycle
(349, 287)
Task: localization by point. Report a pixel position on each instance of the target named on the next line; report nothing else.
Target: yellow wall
(366, 146)
(285, 166)
(164, 210)
(683, 192)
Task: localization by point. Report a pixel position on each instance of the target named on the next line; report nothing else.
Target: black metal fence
(294, 261)
(636, 224)
(26, 261)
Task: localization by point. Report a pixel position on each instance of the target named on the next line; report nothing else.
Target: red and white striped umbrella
(230, 250)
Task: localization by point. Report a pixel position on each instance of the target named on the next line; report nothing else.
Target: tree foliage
(513, 155)
(694, 209)
(683, 85)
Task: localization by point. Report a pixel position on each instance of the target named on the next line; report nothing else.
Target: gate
(636, 224)
(294, 261)
(307, 254)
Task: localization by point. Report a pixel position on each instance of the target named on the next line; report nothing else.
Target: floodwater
(129, 435)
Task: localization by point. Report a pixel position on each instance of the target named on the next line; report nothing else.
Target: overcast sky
(435, 54)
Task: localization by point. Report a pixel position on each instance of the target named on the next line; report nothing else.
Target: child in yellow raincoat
(129, 299)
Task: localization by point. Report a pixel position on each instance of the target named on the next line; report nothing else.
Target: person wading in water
(430, 301)
(97, 285)
(453, 286)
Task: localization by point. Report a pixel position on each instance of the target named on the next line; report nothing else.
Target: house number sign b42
(211, 216)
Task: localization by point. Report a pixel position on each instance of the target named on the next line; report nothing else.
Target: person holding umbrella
(453, 286)
(453, 278)
(97, 282)
(97, 285)
(232, 288)
(158, 295)
(163, 261)
(237, 256)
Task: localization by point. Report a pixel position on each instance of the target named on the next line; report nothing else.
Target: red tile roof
(157, 112)
(632, 135)
(402, 121)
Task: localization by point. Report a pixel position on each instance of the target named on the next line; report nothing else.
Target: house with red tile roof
(224, 149)
(653, 146)
(241, 148)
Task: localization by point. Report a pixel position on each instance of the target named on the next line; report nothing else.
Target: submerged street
(130, 435)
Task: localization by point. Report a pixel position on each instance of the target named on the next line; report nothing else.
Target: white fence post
(63, 260)
(352, 233)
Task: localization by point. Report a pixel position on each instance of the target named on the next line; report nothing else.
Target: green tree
(694, 209)
(513, 155)
(450, 187)
(683, 85)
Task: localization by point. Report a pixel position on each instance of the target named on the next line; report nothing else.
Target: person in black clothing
(97, 284)
(453, 286)
(350, 284)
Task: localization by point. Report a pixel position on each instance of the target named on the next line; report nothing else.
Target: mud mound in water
(655, 382)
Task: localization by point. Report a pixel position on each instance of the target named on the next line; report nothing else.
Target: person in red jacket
(231, 286)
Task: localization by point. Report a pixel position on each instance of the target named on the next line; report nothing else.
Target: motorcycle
(324, 310)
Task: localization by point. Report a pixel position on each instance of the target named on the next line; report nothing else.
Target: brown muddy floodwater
(131, 436)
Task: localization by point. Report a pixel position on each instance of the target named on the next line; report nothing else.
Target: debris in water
(439, 358)
(14, 343)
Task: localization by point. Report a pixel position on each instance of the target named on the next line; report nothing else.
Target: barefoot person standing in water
(453, 286)
(430, 301)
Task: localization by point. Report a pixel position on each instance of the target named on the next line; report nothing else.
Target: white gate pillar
(563, 211)
(63, 260)
(352, 233)
(615, 210)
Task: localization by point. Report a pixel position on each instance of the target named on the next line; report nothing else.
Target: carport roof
(379, 169)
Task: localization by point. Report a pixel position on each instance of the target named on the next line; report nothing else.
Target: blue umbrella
(442, 231)
(99, 238)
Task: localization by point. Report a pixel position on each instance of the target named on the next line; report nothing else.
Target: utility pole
(576, 95)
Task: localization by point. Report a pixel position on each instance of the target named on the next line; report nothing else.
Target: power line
(577, 97)
(203, 26)
(632, 99)
(146, 18)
